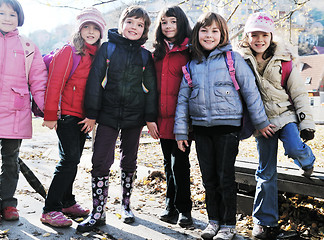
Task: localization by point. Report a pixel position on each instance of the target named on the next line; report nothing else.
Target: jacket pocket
(227, 100)
(194, 106)
(21, 98)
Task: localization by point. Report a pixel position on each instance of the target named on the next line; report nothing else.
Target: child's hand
(88, 125)
(153, 129)
(182, 145)
(267, 131)
(50, 124)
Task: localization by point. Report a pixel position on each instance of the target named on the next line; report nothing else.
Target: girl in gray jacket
(214, 108)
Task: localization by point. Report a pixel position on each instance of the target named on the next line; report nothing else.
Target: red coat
(69, 91)
(169, 76)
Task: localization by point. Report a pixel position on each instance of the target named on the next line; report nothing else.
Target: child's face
(133, 28)
(8, 18)
(90, 33)
(259, 41)
(209, 36)
(169, 27)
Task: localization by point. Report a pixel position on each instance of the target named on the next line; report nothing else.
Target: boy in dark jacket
(122, 103)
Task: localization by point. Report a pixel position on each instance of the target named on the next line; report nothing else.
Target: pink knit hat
(259, 21)
(92, 15)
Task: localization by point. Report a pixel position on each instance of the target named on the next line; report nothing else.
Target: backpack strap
(286, 67)
(29, 51)
(76, 60)
(230, 64)
(110, 50)
(186, 74)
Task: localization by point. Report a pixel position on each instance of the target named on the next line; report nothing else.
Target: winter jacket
(15, 89)
(276, 101)
(213, 100)
(169, 76)
(68, 94)
(123, 103)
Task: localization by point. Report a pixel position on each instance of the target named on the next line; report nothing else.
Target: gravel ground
(150, 190)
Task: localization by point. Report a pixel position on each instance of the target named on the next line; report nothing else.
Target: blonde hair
(79, 43)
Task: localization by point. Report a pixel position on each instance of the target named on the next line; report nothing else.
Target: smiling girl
(17, 85)
(121, 107)
(288, 109)
(170, 54)
(72, 126)
(215, 109)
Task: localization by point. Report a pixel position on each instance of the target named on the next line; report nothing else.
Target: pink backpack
(29, 48)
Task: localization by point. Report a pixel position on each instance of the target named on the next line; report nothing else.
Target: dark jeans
(104, 149)
(216, 156)
(177, 171)
(71, 143)
(9, 171)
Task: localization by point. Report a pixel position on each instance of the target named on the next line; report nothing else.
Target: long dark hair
(17, 8)
(183, 29)
(206, 20)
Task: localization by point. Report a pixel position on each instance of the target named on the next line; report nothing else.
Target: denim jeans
(9, 171)
(265, 210)
(177, 171)
(216, 156)
(71, 143)
(104, 149)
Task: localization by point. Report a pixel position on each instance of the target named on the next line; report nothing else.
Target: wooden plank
(289, 178)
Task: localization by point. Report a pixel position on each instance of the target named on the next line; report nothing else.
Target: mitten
(307, 134)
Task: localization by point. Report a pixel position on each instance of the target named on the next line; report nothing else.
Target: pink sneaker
(56, 219)
(76, 211)
(10, 214)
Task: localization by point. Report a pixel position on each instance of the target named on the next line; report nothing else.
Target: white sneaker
(127, 216)
(210, 231)
(225, 233)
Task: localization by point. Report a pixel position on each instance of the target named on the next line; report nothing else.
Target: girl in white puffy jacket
(288, 109)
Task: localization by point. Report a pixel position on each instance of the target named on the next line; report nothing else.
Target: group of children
(122, 87)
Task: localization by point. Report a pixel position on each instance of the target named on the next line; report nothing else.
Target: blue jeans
(9, 172)
(216, 156)
(265, 210)
(71, 143)
(177, 172)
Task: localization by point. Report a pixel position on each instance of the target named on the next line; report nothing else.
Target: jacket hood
(10, 34)
(115, 37)
(282, 52)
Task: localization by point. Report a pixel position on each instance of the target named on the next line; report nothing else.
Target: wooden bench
(289, 180)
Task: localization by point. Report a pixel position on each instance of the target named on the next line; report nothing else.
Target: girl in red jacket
(170, 54)
(72, 126)
(22, 73)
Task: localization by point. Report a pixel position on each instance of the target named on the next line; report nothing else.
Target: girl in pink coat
(22, 74)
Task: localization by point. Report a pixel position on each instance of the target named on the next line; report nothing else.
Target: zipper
(73, 92)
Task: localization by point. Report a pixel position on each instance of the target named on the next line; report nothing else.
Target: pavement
(146, 207)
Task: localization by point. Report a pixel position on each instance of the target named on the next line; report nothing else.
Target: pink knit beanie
(259, 21)
(92, 15)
